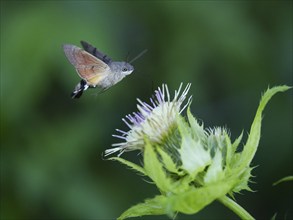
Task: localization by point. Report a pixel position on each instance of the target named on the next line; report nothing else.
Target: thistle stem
(237, 209)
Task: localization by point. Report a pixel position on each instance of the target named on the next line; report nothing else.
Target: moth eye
(124, 69)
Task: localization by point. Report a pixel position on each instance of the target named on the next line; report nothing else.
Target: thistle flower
(190, 165)
(152, 120)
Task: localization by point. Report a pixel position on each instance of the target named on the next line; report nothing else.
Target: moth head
(126, 68)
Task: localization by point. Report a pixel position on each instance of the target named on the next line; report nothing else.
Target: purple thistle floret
(151, 121)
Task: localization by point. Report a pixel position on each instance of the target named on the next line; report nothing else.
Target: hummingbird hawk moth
(95, 68)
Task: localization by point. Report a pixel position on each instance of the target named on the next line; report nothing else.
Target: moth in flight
(95, 68)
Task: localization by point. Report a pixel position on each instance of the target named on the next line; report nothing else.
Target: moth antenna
(138, 56)
(127, 56)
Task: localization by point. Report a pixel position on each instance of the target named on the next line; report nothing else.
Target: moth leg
(100, 90)
(104, 90)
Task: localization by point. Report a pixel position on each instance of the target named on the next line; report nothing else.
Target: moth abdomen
(79, 88)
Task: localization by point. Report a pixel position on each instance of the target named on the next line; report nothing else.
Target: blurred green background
(51, 145)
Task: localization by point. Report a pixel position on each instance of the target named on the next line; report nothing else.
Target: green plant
(190, 165)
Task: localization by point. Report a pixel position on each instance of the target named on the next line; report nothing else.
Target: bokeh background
(51, 145)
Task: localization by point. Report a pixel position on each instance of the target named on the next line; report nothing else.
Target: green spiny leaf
(215, 171)
(237, 142)
(243, 180)
(197, 129)
(254, 135)
(154, 168)
(196, 199)
(168, 162)
(285, 179)
(195, 158)
(129, 164)
(229, 151)
(155, 206)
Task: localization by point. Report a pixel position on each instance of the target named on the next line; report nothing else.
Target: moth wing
(90, 68)
(93, 74)
(95, 52)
